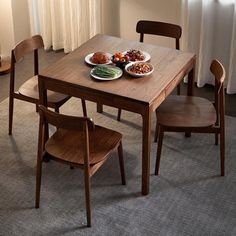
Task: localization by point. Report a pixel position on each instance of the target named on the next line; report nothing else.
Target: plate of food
(98, 58)
(139, 69)
(106, 72)
(120, 60)
(137, 55)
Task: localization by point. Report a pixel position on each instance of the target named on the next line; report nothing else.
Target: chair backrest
(159, 28)
(25, 47)
(64, 121)
(217, 69)
(73, 123)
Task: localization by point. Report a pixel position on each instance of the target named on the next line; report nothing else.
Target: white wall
(21, 21)
(111, 17)
(120, 17)
(6, 28)
(14, 24)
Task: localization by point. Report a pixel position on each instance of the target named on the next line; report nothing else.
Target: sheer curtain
(210, 32)
(65, 23)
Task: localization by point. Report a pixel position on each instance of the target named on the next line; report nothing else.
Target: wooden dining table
(71, 75)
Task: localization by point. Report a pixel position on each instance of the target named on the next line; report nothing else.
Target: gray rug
(188, 198)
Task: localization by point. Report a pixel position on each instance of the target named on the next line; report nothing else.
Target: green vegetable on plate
(106, 71)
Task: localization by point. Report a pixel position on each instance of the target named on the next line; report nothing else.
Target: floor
(24, 71)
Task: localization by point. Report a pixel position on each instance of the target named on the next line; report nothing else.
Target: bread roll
(100, 58)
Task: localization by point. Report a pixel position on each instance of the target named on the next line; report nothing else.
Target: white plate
(88, 59)
(110, 78)
(136, 74)
(146, 54)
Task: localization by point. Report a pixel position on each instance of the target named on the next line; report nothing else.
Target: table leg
(146, 151)
(44, 101)
(99, 108)
(191, 80)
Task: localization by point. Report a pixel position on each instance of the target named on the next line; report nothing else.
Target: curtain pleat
(231, 86)
(66, 24)
(210, 32)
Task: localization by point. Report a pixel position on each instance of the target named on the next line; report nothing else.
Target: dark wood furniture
(71, 75)
(195, 115)
(78, 143)
(5, 66)
(161, 29)
(28, 91)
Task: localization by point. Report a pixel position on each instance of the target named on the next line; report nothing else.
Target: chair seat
(30, 89)
(186, 111)
(65, 143)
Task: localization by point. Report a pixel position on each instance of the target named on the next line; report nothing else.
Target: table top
(169, 65)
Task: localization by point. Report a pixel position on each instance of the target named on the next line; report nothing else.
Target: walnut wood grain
(29, 90)
(64, 144)
(160, 29)
(190, 112)
(76, 142)
(194, 114)
(71, 75)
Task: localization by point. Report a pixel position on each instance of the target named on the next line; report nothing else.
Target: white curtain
(210, 32)
(66, 23)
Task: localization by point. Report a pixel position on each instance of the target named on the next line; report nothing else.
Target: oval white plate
(109, 78)
(146, 54)
(88, 59)
(136, 74)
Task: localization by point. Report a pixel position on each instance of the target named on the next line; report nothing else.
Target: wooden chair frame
(23, 48)
(159, 29)
(218, 128)
(80, 124)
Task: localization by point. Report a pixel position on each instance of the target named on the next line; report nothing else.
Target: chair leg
(187, 134)
(99, 108)
(11, 106)
(216, 134)
(57, 109)
(40, 157)
(178, 89)
(87, 196)
(159, 147)
(216, 139)
(84, 107)
(119, 114)
(121, 161)
(38, 182)
(156, 132)
(222, 153)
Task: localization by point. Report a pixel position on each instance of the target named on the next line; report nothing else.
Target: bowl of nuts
(139, 69)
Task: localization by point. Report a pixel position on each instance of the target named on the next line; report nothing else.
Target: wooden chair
(78, 143)
(195, 115)
(159, 29)
(28, 91)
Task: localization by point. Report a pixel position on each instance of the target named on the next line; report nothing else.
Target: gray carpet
(188, 198)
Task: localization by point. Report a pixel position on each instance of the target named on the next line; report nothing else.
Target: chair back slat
(159, 28)
(65, 121)
(217, 69)
(27, 46)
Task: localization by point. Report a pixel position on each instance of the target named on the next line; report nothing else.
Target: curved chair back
(159, 28)
(217, 69)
